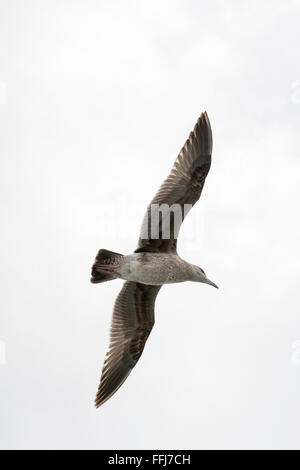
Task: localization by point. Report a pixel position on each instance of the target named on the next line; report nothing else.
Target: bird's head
(200, 276)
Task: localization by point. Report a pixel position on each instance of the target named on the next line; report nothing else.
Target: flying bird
(155, 261)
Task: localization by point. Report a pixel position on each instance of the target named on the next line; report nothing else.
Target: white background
(96, 100)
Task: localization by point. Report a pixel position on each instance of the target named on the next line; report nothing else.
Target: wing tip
(204, 119)
(101, 398)
(98, 403)
(203, 132)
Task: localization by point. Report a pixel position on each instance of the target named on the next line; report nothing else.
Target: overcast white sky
(96, 100)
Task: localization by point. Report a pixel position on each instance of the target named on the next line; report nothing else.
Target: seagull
(155, 261)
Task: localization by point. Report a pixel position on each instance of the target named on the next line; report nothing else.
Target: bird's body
(155, 261)
(156, 269)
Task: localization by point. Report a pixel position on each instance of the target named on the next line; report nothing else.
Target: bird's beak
(207, 281)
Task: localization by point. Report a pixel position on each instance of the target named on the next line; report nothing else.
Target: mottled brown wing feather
(183, 185)
(132, 322)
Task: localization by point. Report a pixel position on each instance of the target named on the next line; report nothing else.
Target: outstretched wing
(182, 187)
(132, 322)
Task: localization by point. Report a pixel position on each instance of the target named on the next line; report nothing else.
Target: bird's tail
(105, 264)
